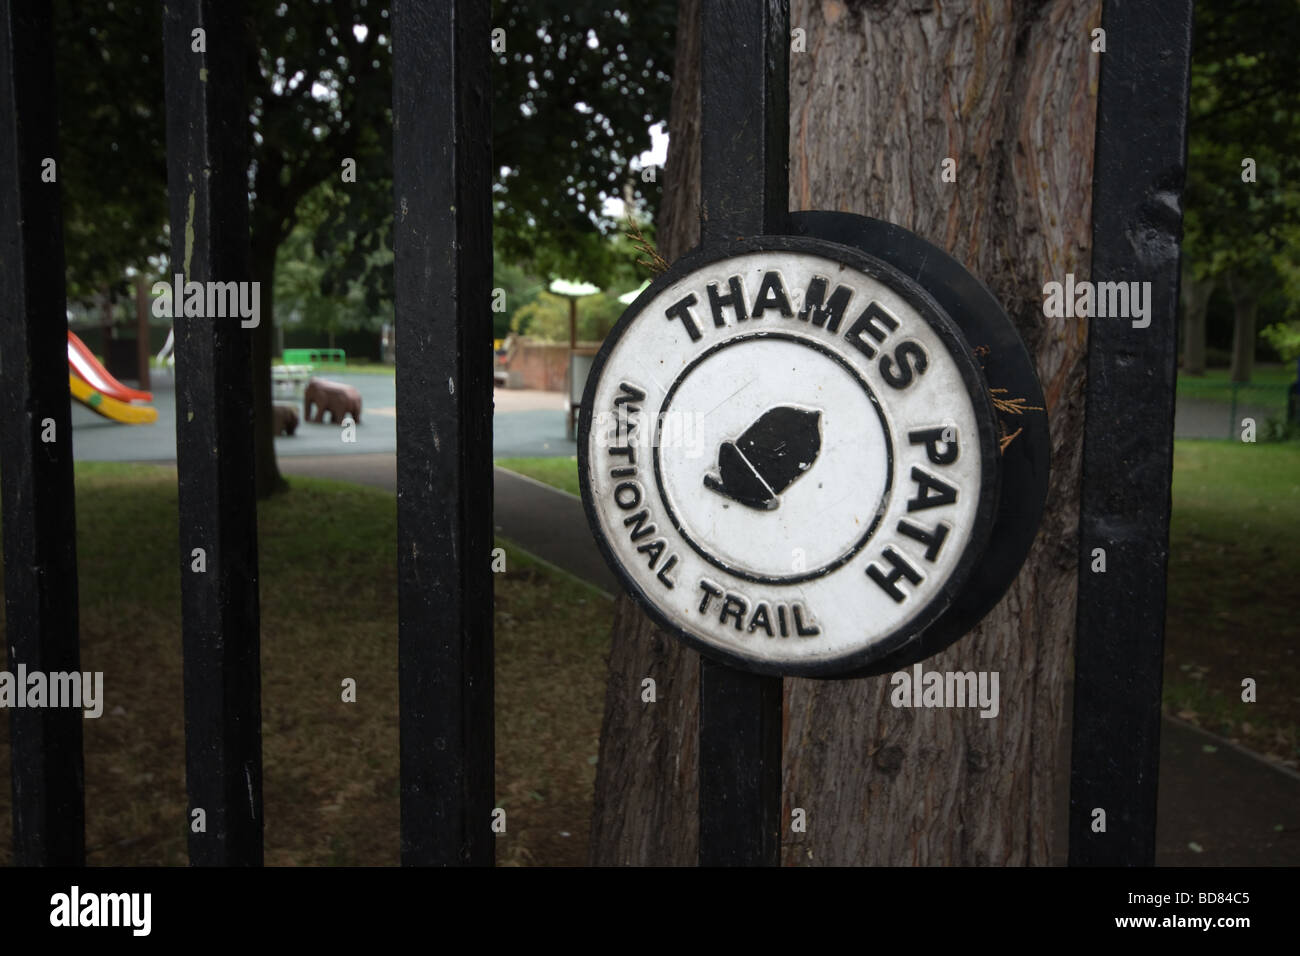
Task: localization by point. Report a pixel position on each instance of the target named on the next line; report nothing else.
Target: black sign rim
(948, 333)
(1025, 465)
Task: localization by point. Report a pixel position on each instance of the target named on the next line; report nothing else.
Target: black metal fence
(1128, 441)
(443, 276)
(443, 250)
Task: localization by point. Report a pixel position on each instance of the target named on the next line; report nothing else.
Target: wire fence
(1210, 408)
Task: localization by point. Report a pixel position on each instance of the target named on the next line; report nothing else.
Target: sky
(655, 155)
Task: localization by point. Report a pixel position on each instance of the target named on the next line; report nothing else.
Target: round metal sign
(787, 454)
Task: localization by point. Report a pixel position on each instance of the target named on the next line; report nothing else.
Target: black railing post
(744, 184)
(40, 554)
(442, 170)
(207, 178)
(1139, 167)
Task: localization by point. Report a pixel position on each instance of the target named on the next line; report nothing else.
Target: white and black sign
(787, 454)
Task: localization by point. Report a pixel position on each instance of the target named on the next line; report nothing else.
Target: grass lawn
(1234, 592)
(559, 473)
(328, 602)
(1234, 587)
(1267, 383)
(367, 367)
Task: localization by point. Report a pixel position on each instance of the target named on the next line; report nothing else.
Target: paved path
(1206, 418)
(551, 524)
(544, 521)
(1220, 805)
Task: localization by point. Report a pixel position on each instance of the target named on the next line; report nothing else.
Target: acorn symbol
(780, 446)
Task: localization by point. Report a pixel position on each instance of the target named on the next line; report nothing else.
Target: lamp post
(573, 291)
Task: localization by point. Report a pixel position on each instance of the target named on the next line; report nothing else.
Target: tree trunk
(884, 93)
(106, 318)
(267, 473)
(1244, 301)
(648, 773)
(1196, 301)
(142, 351)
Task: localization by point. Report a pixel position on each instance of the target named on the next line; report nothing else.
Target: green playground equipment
(316, 358)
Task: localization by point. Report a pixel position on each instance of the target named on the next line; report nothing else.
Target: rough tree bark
(883, 94)
(1196, 301)
(1245, 300)
(648, 774)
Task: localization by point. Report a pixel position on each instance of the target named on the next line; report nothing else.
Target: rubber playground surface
(527, 424)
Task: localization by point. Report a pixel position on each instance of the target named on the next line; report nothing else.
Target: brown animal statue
(285, 419)
(333, 397)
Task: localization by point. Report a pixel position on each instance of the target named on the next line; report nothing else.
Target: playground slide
(110, 407)
(93, 386)
(83, 362)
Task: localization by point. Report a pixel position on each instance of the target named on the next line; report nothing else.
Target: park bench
(287, 381)
(316, 358)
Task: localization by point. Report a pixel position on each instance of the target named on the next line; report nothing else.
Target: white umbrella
(573, 291)
(627, 298)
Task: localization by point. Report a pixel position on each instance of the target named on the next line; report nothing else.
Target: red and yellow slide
(93, 386)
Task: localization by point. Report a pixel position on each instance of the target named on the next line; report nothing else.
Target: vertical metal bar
(740, 767)
(745, 118)
(40, 552)
(207, 178)
(1139, 169)
(744, 175)
(443, 274)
